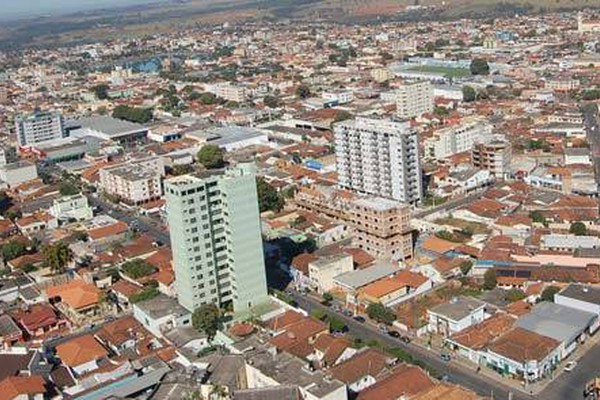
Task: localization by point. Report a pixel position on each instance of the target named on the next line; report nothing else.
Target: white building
(38, 128)
(16, 173)
(161, 314)
(379, 157)
(73, 207)
(136, 182)
(322, 271)
(456, 315)
(414, 99)
(340, 97)
(229, 92)
(580, 297)
(457, 139)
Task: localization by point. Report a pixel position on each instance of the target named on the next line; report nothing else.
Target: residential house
(404, 381)
(330, 350)
(81, 353)
(39, 320)
(322, 271)
(362, 370)
(77, 299)
(71, 208)
(10, 333)
(24, 388)
(458, 314)
(394, 289)
(161, 314)
(36, 222)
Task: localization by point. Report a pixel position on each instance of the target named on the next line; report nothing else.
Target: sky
(13, 9)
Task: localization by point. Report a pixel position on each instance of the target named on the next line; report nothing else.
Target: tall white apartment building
(379, 157)
(414, 99)
(38, 127)
(457, 139)
(229, 92)
(136, 182)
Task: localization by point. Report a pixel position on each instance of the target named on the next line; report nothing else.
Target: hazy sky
(10, 9)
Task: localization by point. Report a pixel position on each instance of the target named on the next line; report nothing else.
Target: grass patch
(446, 71)
(473, 228)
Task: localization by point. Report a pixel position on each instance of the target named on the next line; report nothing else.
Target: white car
(570, 366)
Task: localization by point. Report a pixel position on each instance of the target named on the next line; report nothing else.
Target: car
(394, 334)
(570, 366)
(347, 313)
(336, 308)
(445, 357)
(382, 328)
(405, 339)
(360, 319)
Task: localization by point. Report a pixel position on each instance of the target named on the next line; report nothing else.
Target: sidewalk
(532, 388)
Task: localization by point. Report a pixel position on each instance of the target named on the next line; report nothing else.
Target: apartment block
(136, 182)
(39, 127)
(494, 156)
(229, 92)
(457, 139)
(413, 99)
(75, 207)
(216, 239)
(380, 158)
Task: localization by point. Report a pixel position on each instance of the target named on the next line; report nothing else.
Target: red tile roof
(80, 350)
(369, 362)
(404, 380)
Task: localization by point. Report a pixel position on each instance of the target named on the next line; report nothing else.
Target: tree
(337, 325)
(101, 91)
(147, 293)
(181, 170)
(465, 267)
(327, 297)
(578, 229)
(479, 66)
(211, 157)
(380, 313)
(271, 101)
(133, 114)
(469, 94)
(548, 293)
(207, 319)
(489, 279)
(538, 217)
(515, 294)
(207, 98)
(67, 188)
(303, 92)
(13, 249)
(137, 268)
(268, 198)
(57, 256)
(441, 111)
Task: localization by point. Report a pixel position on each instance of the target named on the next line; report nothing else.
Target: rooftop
(458, 308)
(161, 306)
(109, 126)
(523, 346)
(586, 293)
(361, 277)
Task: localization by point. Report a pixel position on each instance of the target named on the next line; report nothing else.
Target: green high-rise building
(215, 232)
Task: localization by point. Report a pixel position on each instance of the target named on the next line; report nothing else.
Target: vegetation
(327, 297)
(57, 256)
(515, 294)
(469, 94)
(538, 217)
(268, 198)
(211, 157)
(342, 116)
(101, 91)
(489, 279)
(13, 249)
(67, 188)
(380, 313)
(271, 101)
(303, 92)
(318, 314)
(578, 229)
(149, 292)
(479, 66)
(133, 114)
(137, 268)
(207, 319)
(465, 267)
(548, 293)
(337, 325)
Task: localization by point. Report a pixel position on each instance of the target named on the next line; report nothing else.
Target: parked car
(336, 308)
(405, 339)
(382, 328)
(570, 366)
(394, 334)
(445, 357)
(360, 319)
(347, 313)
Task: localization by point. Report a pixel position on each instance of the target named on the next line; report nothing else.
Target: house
(444, 391)
(580, 297)
(392, 290)
(404, 381)
(79, 300)
(124, 334)
(38, 320)
(330, 350)
(299, 337)
(299, 269)
(362, 370)
(71, 208)
(322, 271)
(81, 353)
(458, 314)
(161, 314)
(517, 227)
(108, 231)
(23, 388)
(19, 361)
(186, 337)
(524, 354)
(10, 333)
(567, 325)
(36, 222)
(442, 268)
(7, 228)
(351, 282)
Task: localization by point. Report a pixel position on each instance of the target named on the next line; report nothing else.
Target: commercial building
(458, 314)
(494, 156)
(125, 133)
(379, 157)
(457, 139)
(322, 271)
(39, 127)
(414, 98)
(73, 207)
(215, 234)
(134, 183)
(18, 172)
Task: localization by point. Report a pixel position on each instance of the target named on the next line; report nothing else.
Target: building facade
(379, 157)
(414, 99)
(457, 139)
(215, 234)
(136, 182)
(494, 156)
(39, 127)
(75, 207)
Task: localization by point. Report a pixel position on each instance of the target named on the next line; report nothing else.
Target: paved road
(590, 120)
(456, 374)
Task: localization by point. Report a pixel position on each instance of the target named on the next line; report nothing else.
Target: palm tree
(57, 256)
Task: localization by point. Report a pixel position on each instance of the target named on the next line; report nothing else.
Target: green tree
(538, 217)
(441, 111)
(578, 229)
(318, 314)
(380, 313)
(147, 293)
(465, 267)
(268, 198)
(271, 101)
(207, 319)
(469, 94)
(137, 268)
(327, 297)
(211, 157)
(336, 324)
(207, 98)
(57, 256)
(133, 114)
(342, 116)
(548, 293)
(303, 91)
(515, 294)
(101, 91)
(489, 279)
(13, 249)
(68, 189)
(479, 66)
